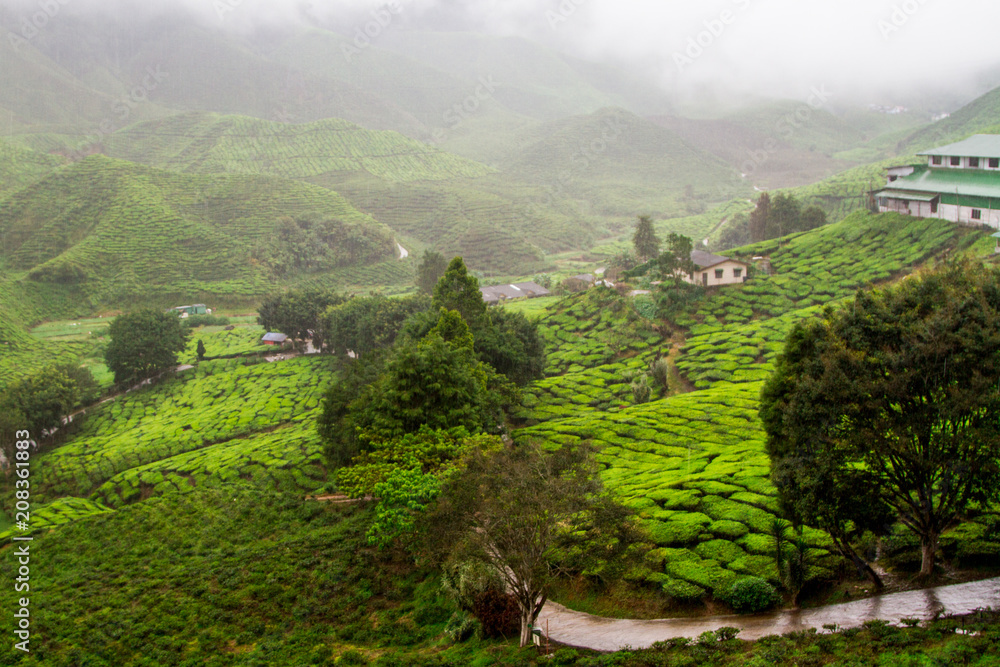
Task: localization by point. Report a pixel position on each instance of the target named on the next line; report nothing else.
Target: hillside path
(611, 634)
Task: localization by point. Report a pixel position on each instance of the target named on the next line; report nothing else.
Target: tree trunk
(866, 569)
(928, 547)
(526, 622)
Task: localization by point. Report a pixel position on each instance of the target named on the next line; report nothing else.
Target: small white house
(716, 270)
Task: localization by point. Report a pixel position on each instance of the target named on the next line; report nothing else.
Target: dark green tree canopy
(297, 313)
(432, 266)
(644, 240)
(367, 323)
(143, 344)
(897, 392)
(510, 508)
(459, 290)
(675, 262)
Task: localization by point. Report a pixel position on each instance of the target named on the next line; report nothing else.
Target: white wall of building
(948, 212)
(729, 269)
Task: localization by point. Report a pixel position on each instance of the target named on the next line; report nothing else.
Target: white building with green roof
(960, 183)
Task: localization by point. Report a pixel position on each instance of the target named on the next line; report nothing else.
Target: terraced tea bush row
(44, 517)
(695, 468)
(213, 403)
(600, 388)
(739, 353)
(240, 340)
(290, 458)
(593, 328)
(826, 264)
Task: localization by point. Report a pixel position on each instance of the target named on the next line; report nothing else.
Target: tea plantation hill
(125, 233)
(201, 477)
(618, 162)
(693, 464)
(20, 166)
(802, 152)
(297, 75)
(460, 207)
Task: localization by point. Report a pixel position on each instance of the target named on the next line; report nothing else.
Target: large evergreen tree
(459, 290)
(432, 266)
(645, 241)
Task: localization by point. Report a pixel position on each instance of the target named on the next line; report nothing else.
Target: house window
(974, 163)
(719, 273)
(977, 214)
(956, 162)
(995, 163)
(934, 206)
(893, 178)
(737, 273)
(936, 160)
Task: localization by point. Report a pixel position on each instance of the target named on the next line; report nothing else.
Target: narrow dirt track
(611, 634)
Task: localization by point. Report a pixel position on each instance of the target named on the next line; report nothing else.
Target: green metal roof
(912, 196)
(978, 145)
(963, 182)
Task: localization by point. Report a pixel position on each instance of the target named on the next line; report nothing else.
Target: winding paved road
(611, 634)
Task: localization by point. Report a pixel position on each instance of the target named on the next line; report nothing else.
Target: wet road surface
(611, 634)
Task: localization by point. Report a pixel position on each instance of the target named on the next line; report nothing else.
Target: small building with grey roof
(713, 270)
(498, 293)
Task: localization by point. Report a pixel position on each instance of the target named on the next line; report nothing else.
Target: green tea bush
(750, 595)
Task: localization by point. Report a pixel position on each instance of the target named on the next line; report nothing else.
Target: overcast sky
(782, 47)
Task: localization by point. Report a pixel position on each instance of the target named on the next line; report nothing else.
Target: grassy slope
(694, 464)
(124, 231)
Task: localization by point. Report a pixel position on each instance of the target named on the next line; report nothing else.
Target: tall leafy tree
(896, 395)
(784, 216)
(143, 344)
(758, 218)
(459, 290)
(437, 382)
(432, 266)
(675, 262)
(510, 508)
(364, 324)
(297, 313)
(644, 240)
